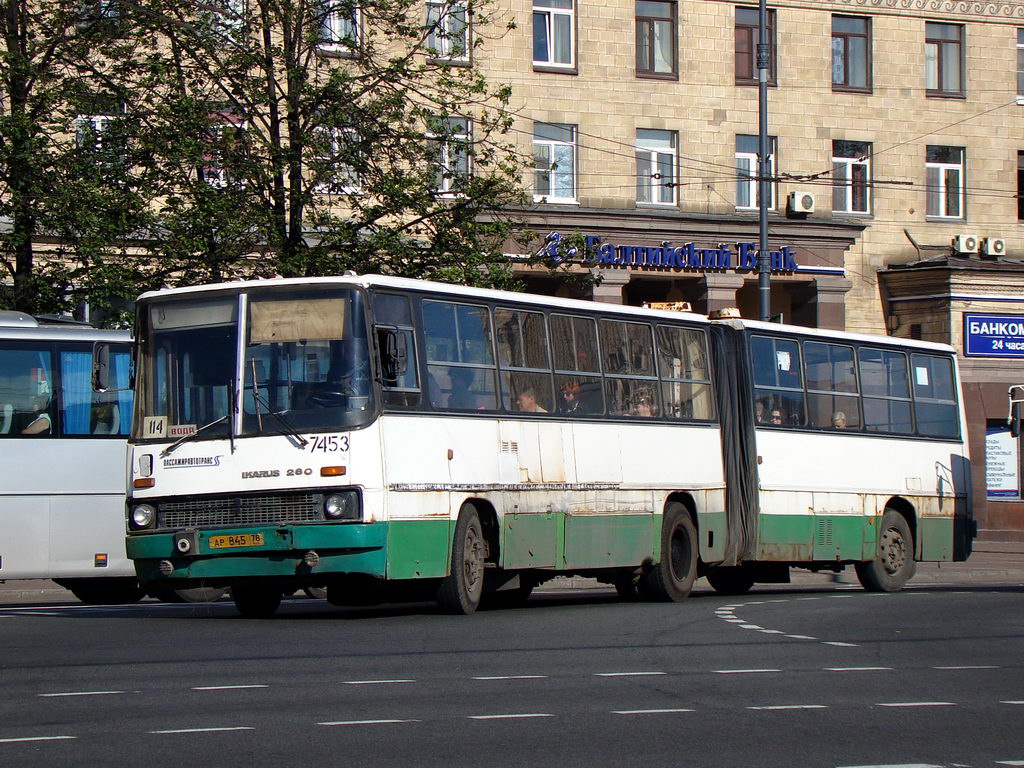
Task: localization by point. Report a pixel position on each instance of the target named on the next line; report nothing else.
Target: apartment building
(897, 164)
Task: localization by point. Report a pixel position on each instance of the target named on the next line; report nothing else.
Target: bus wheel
(105, 591)
(894, 558)
(460, 591)
(731, 580)
(671, 579)
(256, 602)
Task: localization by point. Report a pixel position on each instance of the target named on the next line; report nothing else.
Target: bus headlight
(341, 506)
(143, 516)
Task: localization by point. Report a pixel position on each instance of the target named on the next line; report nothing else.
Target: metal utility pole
(764, 273)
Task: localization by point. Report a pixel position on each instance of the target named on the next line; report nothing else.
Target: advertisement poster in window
(1002, 462)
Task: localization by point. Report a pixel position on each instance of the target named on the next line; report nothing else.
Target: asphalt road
(813, 676)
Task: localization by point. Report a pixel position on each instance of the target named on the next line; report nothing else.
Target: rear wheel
(671, 579)
(256, 602)
(894, 557)
(731, 580)
(460, 591)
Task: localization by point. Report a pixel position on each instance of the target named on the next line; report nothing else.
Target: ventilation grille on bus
(825, 532)
(246, 510)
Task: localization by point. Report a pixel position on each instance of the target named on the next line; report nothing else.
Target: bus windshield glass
(304, 364)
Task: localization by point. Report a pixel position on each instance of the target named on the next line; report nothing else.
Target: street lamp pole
(764, 291)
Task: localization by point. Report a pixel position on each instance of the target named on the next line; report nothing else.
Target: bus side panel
(418, 548)
(601, 541)
(25, 557)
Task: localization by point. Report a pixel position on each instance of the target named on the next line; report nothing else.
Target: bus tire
(255, 601)
(460, 591)
(893, 564)
(105, 591)
(731, 580)
(671, 579)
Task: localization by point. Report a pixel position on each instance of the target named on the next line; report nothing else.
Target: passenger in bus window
(760, 411)
(643, 406)
(571, 404)
(40, 423)
(460, 396)
(839, 420)
(778, 416)
(528, 401)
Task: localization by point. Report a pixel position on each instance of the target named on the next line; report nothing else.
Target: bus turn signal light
(144, 482)
(332, 471)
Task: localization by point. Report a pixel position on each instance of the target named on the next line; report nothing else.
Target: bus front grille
(241, 510)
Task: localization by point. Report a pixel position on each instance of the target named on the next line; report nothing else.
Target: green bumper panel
(343, 548)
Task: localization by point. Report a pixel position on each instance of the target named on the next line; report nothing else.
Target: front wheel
(256, 602)
(105, 591)
(893, 564)
(671, 579)
(460, 591)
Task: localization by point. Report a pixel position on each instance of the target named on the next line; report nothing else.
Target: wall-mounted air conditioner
(800, 202)
(966, 244)
(993, 246)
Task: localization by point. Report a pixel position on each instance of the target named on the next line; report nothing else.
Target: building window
(450, 138)
(851, 53)
(1020, 186)
(225, 139)
(339, 25)
(655, 39)
(554, 162)
(102, 138)
(746, 46)
(334, 166)
(1020, 66)
(747, 187)
(945, 179)
(554, 38)
(656, 167)
(943, 59)
(448, 29)
(851, 177)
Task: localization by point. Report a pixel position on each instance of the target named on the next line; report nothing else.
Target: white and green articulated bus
(389, 439)
(62, 454)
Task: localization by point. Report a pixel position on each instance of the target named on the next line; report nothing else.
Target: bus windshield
(304, 364)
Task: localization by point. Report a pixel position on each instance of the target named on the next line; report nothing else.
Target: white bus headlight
(341, 506)
(143, 516)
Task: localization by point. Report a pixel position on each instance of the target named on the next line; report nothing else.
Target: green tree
(310, 137)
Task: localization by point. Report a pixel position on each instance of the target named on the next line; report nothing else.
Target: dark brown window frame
(648, 24)
(868, 74)
(746, 35)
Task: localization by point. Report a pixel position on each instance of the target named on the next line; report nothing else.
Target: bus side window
(777, 380)
(460, 356)
(397, 350)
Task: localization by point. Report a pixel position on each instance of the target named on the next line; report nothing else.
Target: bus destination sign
(993, 335)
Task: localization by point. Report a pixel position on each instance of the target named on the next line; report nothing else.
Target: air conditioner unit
(965, 244)
(993, 246)
(801, 202)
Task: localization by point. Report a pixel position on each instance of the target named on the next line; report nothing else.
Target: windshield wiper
(190, 435)
(285, 427)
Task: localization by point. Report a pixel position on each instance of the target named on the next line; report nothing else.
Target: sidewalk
(991, 561)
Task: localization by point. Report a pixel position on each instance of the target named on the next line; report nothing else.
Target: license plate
(237, 540)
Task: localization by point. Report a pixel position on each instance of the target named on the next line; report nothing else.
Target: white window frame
(448, 29)
(344, 178)
(652, 157)
(231, 13)
(452, 152)
(214, 173)
(843, 184)
(552, 147)
(937, 187)
(747, 184)
(97, 126)
(548, 15)
(335, 28)
(1020, 66)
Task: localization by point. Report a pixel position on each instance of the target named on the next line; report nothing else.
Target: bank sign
(993, 335)
(686, 256)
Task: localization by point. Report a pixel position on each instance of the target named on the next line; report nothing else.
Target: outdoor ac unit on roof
(993, 246)
(966, 244)
(801, 202)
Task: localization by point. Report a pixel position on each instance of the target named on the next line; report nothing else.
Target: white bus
(62, 450)
(388, 438)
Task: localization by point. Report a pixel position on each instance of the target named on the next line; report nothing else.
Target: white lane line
(80, 693)
(375, 682)
(858, 669)
(37, 738)
(1009, 762)
(916, 704)
(840, 645)
(649, 711)
(226, 687)
(750, 626)
(894, 765)
(970, 666)
(517, 716)
(367, 722)
(772, 631)
(207, 730)
(1011, 702)
(628, 674)
(736, 621)
(801, 637)
(790, 706)
(511, 677)
(743, 671)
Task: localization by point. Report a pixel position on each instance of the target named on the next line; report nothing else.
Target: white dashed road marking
(80, 693)
(367, 722)
(649, 711)
(37, 738)
(517, 716)
(206, 730)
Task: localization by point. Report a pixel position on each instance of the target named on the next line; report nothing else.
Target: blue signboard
(993, 335)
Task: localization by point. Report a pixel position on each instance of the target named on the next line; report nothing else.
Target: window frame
(653, 186)
(449, 153)
(841, 39)
(552, 144)
(646, 27)
(332, 28)
(939, 191)
(548, 14)
(845, 185)
(750, 180)
(351, 183)
(746, 35)
(936, 56)
(1020, 65)
(440, 35)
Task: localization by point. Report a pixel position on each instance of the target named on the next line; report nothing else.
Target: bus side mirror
(1014, 420)
(394, 355)
(102, 375)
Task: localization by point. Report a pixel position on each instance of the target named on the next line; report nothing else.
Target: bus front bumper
(275, 551)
